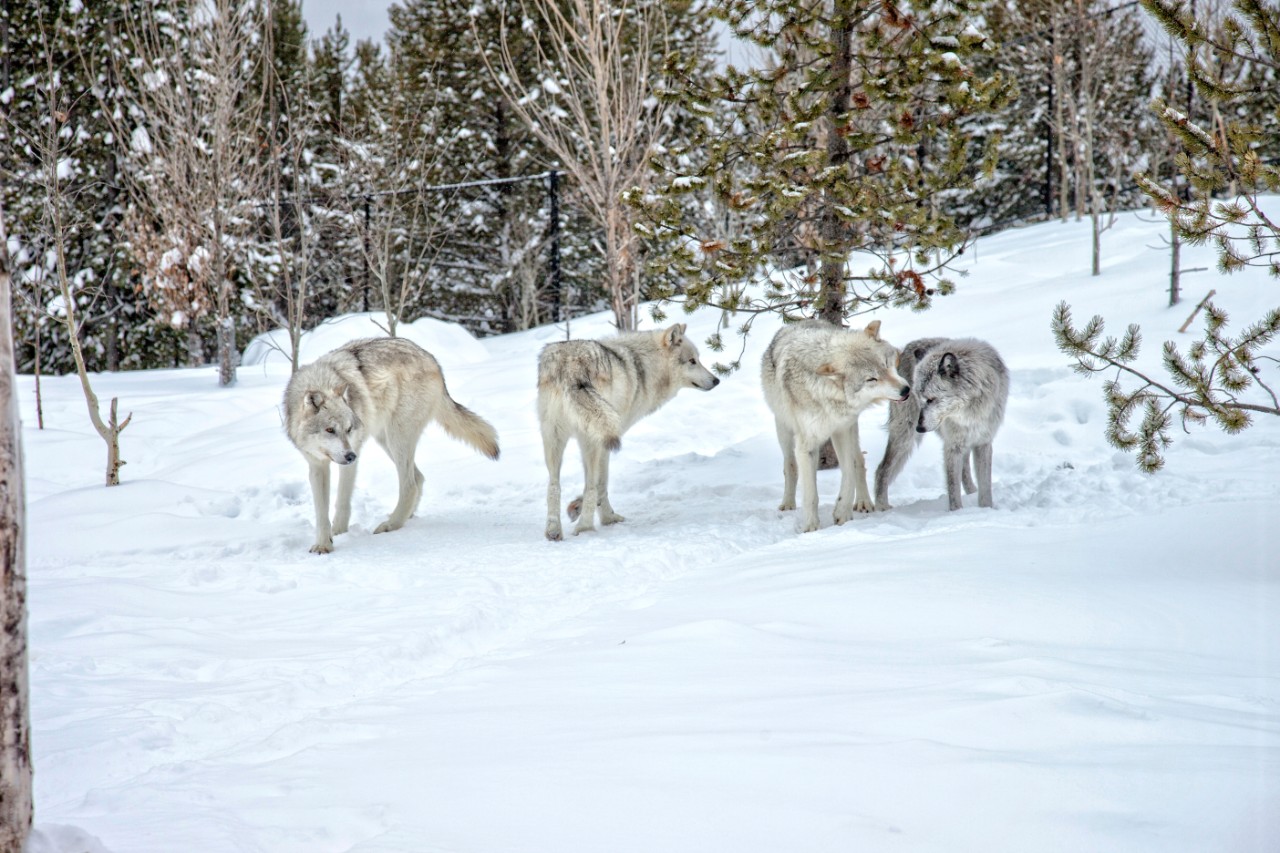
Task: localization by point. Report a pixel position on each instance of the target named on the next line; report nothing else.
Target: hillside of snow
(1093, 665)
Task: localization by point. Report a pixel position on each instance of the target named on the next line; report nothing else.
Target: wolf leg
(401, 451)
(319, 474)
(553, 445)
(787, 441)
(592, 459)
(967, 477)
(982, 461)
(607, 515)
(346, 486)
(853, 496)
(897, 450)
(953, 459)
(807, 473)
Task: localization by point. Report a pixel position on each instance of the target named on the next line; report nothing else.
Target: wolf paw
(786, 506)
(322, 547)
(388, 525)
(809, 526)
(554, 534)
(584, 526)
(574, 509)
(610, 518)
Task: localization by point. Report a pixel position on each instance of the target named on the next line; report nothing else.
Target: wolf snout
(348, 457)
(904, 394)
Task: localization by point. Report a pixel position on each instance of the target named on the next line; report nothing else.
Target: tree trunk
(15, 719)
(1175, 266)
(831, 299)
(1060, 118)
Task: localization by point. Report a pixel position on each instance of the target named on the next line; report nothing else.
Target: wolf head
(938, 388)
(685, 354)
(330, 427)
(866, 368)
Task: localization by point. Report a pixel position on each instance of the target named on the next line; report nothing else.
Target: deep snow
(1094, 665)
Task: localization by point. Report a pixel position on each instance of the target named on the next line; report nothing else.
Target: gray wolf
(594, 391)
(961, 387)
(817, 379)
(387, 389)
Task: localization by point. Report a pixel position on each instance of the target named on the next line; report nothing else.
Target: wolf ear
(831, 371)
(873, 330)
(315, 400)
(674, 336)
(341, 392)
(919, 353)
(949, 366)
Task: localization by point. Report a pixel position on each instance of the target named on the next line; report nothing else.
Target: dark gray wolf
(594, 391)
(817, 379)
(961, 387)
(385, 388)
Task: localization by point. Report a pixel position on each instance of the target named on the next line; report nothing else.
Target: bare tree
(195, 152)
(282, 293)
(402, 219)
(592, 103)
(56, 212)
(15, 713)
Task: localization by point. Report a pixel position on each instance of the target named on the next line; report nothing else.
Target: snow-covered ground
(1094, 665)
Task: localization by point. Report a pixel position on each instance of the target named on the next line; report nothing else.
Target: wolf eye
(871, 379)
(330, 430)
(693, 361)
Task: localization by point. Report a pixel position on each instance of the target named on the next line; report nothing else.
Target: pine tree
(1070, 62)
(1219, 378)
(835, 157)
(117, 328)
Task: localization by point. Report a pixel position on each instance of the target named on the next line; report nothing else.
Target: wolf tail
(595, 416)
(468, 427)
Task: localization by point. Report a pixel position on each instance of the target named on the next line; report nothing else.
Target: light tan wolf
(387, 389)
(594, 391)
(817, 379)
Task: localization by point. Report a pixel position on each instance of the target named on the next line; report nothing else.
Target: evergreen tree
(117, 328)
(837, 156)
(1071, 62)
(1219, 378)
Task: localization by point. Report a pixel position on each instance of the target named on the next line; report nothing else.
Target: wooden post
(15, 715)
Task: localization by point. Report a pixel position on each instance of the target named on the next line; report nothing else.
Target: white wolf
(961, 387)
(385, 388)
(594, 391)
(817, 379)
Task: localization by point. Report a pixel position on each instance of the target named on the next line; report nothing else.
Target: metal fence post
(559, 297)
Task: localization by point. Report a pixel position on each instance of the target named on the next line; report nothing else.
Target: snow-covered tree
(580, 75)
(195, 172)
(1219, 378)
(116, 326)
(835, 156)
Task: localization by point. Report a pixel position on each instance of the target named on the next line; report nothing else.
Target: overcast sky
(362, 18)
(368, 19)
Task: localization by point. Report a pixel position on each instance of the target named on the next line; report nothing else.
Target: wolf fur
(961, 387)
(385, 388)
(594, 391)
(817, 379)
